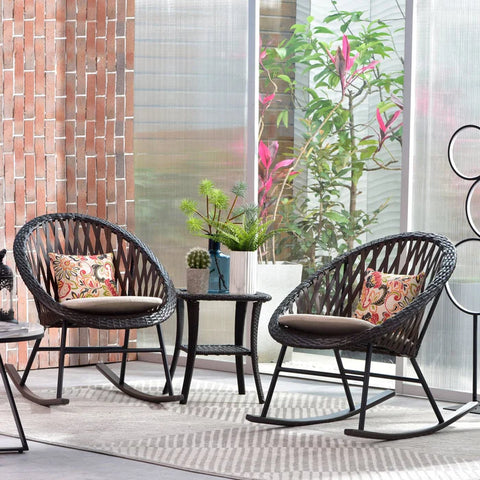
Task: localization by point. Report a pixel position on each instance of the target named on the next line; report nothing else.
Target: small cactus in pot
(198, 258)
(198, 271)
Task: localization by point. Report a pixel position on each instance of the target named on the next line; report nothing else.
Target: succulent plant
(198, 258)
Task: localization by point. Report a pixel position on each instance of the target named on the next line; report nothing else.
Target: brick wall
(66, 134)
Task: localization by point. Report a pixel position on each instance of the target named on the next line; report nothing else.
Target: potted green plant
(218, 208)
(243, 238)
(198, 270)
(348, 106)
(240, 228)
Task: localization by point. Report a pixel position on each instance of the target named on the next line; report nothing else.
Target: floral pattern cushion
(84, 276)
(384, 294)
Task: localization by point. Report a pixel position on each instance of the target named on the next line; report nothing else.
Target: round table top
(245, 297)
(20, 332)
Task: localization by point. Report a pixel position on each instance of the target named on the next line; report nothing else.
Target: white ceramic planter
(278, 280)
(243, 272)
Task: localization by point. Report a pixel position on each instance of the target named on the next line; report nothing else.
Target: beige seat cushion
(112, 305)
(324, 324)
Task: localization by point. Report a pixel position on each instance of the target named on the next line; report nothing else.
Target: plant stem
(294, 165)
(231, 209)
(353, 182)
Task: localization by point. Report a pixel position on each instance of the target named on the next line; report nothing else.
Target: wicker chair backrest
(335, 290)
(137, 270)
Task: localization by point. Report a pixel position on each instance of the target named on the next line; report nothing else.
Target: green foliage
(248, 235)
(198, 258)
(340, 143)
(217, 207)
(238, 227)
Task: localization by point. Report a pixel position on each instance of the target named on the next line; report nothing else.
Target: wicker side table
(238, 349)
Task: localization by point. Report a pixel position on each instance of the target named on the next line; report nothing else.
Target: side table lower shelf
(218, 350)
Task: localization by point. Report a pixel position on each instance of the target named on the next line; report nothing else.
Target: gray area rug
(210, 435)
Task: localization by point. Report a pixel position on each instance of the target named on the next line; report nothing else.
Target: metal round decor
(470, 145)
(468, 205)
(451, 145)
(470, 310)
(474, 189)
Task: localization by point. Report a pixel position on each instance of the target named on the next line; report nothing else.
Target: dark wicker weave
(335, 290)
(138, 272)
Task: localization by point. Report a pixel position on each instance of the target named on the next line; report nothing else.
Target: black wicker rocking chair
(137, 271)
(334, 290)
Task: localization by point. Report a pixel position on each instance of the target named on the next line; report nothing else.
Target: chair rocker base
(475, 410)
(332, 417)
(28, 394)
(133, 392)
(463, 410)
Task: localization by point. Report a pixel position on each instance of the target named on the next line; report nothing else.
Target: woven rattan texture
(335, 290)
(138, 271)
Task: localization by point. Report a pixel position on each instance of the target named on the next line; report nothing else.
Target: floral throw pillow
(384, 294)
(84, 276)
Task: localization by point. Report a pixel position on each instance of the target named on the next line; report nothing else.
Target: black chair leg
(119, 381)
(442, 423)
(332, 417)
(343, 375)
(20, 382)
(168, 378)
(274, 380)
(366, 381)
(123, 366)
(15, 414)
(61, 360)
(427, 390)
(30, 360)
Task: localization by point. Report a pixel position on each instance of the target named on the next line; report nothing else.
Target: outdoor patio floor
(73, 464)
(44, 461)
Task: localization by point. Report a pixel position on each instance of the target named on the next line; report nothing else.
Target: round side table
(238, 349)
(15, 333)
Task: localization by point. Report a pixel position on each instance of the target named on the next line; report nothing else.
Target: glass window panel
(445, 39)
(190, 120)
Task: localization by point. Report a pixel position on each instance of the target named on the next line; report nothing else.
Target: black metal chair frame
(138, 272)
(335, 290)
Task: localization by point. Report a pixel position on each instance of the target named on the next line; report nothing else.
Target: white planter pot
(243, 272)
(197, 280)
(278, 280)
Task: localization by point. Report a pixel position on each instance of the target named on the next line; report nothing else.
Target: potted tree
(348, 107)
